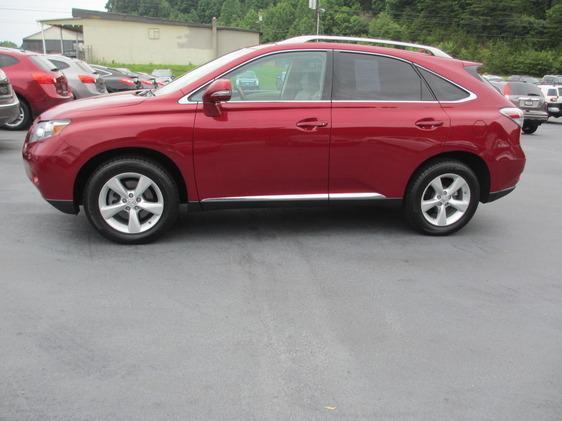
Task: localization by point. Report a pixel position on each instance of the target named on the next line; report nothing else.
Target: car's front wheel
(442, 197)
(131, 200)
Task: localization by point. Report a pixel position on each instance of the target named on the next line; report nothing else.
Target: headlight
(45, 129)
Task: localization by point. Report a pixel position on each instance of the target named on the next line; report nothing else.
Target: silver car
(83, 81)
(9, 104)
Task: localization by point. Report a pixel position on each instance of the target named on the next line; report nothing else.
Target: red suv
(38, 84)
(329, 122)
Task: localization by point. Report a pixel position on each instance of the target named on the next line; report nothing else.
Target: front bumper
(48, 164)
(554, 109)
(9, 111)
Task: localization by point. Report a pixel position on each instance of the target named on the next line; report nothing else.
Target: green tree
(8, 44)
(231, 12)
(383, 26)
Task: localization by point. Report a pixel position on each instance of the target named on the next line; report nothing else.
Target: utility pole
(315, 5)
(317, 17)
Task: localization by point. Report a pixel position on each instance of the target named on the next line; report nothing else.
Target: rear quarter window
(43, 63)
(6, 60)
(443, 89)
(61, 65)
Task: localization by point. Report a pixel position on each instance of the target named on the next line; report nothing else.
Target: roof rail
(307, 38)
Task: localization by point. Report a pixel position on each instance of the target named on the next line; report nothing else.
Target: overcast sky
(18, 18)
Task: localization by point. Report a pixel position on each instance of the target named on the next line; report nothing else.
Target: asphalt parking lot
(310, 314)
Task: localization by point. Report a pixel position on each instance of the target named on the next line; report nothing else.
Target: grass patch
(177, 69)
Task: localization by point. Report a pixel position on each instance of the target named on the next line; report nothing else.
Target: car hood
(92, 104)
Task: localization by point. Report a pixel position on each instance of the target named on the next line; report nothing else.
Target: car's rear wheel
(529, 128)
(23, 120)
(131, 200)
(442, 197)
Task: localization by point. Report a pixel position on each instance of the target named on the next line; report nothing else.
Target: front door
(270, 142)
(385, 120)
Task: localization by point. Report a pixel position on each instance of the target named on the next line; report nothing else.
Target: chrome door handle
(426, 123)
(310, 123)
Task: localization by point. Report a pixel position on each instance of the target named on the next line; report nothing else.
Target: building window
(153, 33)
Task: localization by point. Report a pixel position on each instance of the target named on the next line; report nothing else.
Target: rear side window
(6, 61)
(61, 65)
(443, 89)
(366, 77)
(84, 66)
(43, 63)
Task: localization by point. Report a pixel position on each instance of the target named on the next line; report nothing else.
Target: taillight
(127, 81)
(87, 79)
(514, 114)
(43, 78)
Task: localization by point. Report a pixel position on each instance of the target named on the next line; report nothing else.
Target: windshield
(199, 72)
(522, 88)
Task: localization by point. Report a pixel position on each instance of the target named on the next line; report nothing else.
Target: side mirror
(218, 91)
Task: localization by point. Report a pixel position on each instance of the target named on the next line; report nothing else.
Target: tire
(530, 128)
(129, 217)
(23, 121)
(430, 219)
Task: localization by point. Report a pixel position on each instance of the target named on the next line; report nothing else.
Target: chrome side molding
(297, 197)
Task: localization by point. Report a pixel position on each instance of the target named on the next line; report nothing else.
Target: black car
(9, 104)
(116, 80)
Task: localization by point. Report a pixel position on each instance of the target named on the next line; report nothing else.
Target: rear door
(385, 121)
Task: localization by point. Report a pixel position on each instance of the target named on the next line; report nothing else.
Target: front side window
(297, 76)
(367, 77)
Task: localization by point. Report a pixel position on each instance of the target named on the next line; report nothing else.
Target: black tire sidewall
(138, 165)
(530, 128)
(412, 204)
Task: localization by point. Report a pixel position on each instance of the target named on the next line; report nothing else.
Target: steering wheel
(241, 92)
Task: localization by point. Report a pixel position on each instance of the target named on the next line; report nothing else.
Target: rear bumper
(498, 194)
(536, 116)
(10, 111)
(554, 109)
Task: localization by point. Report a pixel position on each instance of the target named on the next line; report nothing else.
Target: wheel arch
(473, 161)
(94, 162)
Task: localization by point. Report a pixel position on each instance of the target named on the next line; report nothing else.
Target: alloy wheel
(445, 199)
(18, 120)
(131, 203)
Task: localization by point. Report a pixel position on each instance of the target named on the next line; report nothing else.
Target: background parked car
(82, 79)
(37, 83)
(551, 80)
(9, 104)
(553, 98)
(247, 81)
(529, 98)
(493, 78)
(163, 75)
(115, 80)
(147, 81)
(523, 78)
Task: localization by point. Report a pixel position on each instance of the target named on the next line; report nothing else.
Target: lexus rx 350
(349, 122)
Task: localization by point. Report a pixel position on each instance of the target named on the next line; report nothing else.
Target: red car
(330, 122)
(37, 83)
